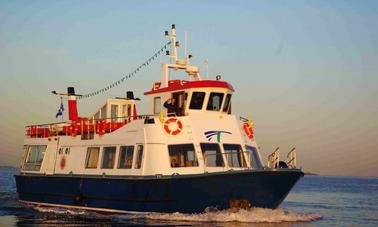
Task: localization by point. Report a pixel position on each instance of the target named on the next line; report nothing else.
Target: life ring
(178, 125)
(248, 130)
(62, 162)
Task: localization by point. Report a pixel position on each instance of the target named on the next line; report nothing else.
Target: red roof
(175, 85)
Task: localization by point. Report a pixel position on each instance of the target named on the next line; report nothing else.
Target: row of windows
(196, 103)
(183, 155)
(125, 157)
(214, 103)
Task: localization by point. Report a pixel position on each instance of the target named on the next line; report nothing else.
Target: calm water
(315, 201)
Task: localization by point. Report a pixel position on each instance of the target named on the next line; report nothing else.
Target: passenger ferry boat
(117, 161)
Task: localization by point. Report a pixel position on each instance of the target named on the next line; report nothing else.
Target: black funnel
(71, 91)
(130, 95)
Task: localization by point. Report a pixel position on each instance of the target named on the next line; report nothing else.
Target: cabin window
(126, 157)
(35, 157)
(197, 100)
(234, 155)
(97, 115)
(114, 113)
(215, 101)
(124, 111)
(227, 103)
(103, 112)
(254, 157)
(91, 160)
(139, 157)
(157, 105)
(212, 155)
(182, 155)
(108, 157)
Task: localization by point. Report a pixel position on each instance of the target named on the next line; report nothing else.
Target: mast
(178, 64)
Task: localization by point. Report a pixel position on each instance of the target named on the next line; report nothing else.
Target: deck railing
(84, 127)
(291, 159)
(274, 159)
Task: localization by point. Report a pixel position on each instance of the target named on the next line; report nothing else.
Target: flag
(61, 109)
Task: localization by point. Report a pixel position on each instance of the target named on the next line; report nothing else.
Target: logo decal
(210, 134)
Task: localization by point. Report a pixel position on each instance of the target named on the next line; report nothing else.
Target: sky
(304, 71)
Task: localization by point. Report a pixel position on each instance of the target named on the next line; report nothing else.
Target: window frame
(157, 110)
(228, 97)
(217, 153)
(125, 151)
(195, 162)
(87, 157)
(251, 150)
(220, 102)
(242, 162)
(139, 157)
(36, 164)
(191, 100)
(103, 156)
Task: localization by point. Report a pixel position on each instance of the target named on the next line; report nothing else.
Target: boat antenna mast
(178, 64)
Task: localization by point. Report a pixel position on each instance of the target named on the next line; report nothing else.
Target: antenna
(206, 62)
(186, 43)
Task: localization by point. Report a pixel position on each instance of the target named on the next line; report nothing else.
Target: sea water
(314, 201)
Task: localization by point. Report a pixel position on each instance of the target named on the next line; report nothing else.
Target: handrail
(84, 124)
(291, 158)
(274, 159)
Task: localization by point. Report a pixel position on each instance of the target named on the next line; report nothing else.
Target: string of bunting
(133, 73)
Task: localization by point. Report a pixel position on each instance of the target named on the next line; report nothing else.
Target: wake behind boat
(189, 153)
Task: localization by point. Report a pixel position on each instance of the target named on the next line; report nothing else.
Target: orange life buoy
(62, 162)
(175, 121)
(248, 130)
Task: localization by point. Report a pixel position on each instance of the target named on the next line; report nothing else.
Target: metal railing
(274, 159)
(291, 158)
(81, 126)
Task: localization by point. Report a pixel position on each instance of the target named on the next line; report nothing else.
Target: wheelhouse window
(114, 113)
(108, 157)
(34, 158)
(139, 157)
(227, 103)
(215, 101)
(126, 157)
(91, 160)
(254, 157)
(103, 112)
(234, 155)
(212, 155)
(157, 105)
(197, 100)
(182, 155)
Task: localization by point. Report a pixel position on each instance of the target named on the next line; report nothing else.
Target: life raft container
(173, 121)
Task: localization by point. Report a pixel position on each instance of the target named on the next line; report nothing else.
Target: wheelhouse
(192, 97)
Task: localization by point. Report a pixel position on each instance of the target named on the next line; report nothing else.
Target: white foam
(254, 215)
(56, 210)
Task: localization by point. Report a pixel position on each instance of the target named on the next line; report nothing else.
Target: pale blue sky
(305, 71)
